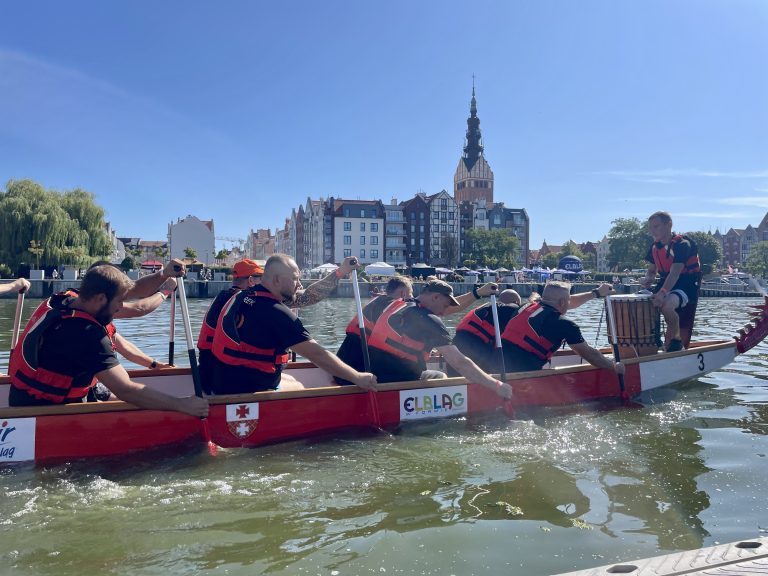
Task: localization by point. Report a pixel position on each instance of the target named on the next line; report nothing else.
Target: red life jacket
(520, 332)
(208, 329)
(473, 324)
(227, 346)
(386, 337)
(369, 316)
(663, 256)
(25, 372)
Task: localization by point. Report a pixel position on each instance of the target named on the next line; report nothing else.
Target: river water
(560, 492)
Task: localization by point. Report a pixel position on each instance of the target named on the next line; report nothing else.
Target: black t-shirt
(351, 350)
(74, 347)
(420, 325)
(264, 323)
(481, 353)
(549, 324)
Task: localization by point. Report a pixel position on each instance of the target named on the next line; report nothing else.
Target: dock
(747, 557)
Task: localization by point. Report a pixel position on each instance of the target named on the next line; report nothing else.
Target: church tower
(473, 179)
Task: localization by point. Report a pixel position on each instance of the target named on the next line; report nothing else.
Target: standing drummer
(675, 258)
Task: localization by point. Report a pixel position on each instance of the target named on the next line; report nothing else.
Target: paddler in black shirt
(256, 329)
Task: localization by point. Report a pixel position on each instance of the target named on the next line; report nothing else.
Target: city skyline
(588, 113)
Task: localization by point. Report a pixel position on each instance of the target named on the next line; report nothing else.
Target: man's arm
(669, 283)
(323, 359)
(130, 351)
(595, 358)
(148, 285)
(144, 306)
(600, 292)
(472, 371)
(650, 276)
(466, 300)
(321, 289)
(15, 286)
(120, 384)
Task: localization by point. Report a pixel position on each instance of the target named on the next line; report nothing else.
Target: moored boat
(249, 420)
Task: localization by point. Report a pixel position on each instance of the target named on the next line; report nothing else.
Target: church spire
(473, 148)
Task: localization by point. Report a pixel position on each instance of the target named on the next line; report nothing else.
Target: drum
(638, 325)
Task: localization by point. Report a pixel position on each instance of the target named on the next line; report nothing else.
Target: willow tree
(62, 224)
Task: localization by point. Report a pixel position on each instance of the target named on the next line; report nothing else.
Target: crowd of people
(67, 352)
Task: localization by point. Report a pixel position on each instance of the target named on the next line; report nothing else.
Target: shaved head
(278, 264)
(509, 296)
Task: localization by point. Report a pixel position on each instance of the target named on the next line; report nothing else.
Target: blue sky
(240, 110)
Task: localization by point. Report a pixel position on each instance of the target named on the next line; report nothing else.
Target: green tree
(161, 253)
(492, 248)
(190, 253)
(757, 261)
(629, 242)
(710, 250)
(36, 249)
(222, 254)
(551, 260)
(54, 220)
(571, 249)
(128, 263)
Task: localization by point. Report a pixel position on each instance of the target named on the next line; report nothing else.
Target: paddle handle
(614, 338)
(17, 318)
(497, 330)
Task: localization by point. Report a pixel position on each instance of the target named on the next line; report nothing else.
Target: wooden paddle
(17, 318)
(615, 341)
(172, 330)
(193, 362)
(497, 329)
(364, 345)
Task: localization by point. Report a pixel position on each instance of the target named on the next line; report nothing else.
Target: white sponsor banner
(17, 439)
(433, 402)
(664, 370)
(242, 418)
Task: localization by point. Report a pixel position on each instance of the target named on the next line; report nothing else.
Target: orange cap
(247, 267)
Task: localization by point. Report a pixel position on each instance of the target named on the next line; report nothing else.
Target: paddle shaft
(17, 318)
(614, 338)
(172, 329)
(364, 346)
(361, 322)
(497, 330)
(188, 335)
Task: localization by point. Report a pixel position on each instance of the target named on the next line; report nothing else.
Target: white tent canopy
(380, 269)
(325, 268)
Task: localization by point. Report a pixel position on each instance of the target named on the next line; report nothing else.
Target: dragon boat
(103, 429)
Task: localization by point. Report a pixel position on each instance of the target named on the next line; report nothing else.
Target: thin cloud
(669, 173)
(650, 199)
(726, 215)
(751, 201)
(30, 67)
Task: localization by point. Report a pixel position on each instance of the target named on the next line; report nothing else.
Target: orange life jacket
(25, 372)
(227, 346)
(663, 256)
(368, 322)
(208, 329)
(473, 324)
(387, 338)
(519, 332)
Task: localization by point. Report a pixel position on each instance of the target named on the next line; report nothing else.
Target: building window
(421, 241)
(362, 253)
(347, 226)
(347, 240)
(421, 215)
(346, 212)
(362, 240)
(374, 240)
(374, 227)
(413, 215)
(362, 226)
(421, 228)
(347, 252)
(444, 204)
(413, 228)
(375, 254)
